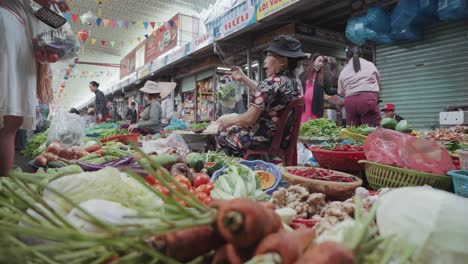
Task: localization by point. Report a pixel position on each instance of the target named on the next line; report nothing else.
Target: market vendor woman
(151, 118)
(258, 125)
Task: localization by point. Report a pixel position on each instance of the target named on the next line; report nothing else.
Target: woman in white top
(18, 78)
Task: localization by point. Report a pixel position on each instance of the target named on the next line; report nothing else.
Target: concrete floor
(22, 162)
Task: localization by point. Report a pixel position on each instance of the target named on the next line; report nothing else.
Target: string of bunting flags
(104, 22)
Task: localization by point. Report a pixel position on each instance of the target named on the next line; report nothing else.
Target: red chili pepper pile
(320, 174)
(338, 147)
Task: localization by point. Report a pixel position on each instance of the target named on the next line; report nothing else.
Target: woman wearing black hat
(258, 125)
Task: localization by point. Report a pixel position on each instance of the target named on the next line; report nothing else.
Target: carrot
(244, 223)
(289, 245)
(93, 147)
(326, 253)
(187, 244)
(231, 255)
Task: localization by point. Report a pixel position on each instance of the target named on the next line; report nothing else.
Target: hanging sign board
(199, 43)
(236, 19)
(175, 55)
(162, 40)
(268, 7)
(143, 71)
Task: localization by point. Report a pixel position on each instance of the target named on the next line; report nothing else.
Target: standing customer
(167, 104)
(359, 84)
(18, 73)
(315, 81)
(131, 115)
(100, 106)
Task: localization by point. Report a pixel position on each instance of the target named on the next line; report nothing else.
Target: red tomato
(151, 180)
(208, 188)
(200, 195)
(183, 181)
(207, 200)
(200, 178)
(162, 189)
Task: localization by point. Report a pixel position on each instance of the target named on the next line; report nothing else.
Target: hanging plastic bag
(452, 9)
(356, 30)
(173, 141)
(397, 149)
(67, 128)
(378, 20)
(57, 45)
(229, 92)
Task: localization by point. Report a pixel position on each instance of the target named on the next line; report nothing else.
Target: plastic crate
(380, 176)
(460, 181)
(463, 154)
(257, 165)
(353, 136)
(339, 160)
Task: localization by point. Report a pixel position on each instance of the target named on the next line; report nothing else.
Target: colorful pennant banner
(72, 17)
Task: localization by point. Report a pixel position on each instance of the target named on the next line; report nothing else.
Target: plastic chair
(283, 147)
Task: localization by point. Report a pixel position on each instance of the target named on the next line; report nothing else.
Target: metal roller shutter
(421, 78)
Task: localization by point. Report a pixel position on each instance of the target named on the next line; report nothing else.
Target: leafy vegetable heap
(320, 128)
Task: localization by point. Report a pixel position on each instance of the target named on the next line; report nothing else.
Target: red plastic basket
(339, 160)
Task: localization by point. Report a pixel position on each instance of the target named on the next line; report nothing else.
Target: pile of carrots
(244, 229)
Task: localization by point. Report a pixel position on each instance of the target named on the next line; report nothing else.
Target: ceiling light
(223, 69)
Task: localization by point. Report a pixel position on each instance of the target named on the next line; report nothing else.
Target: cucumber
(211, 170)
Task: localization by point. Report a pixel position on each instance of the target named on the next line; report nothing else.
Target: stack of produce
(320, 128)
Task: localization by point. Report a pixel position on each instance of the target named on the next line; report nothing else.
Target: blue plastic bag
(356, 30)
(410, 33)
(378, 20)
(452, 9)
(404, 14)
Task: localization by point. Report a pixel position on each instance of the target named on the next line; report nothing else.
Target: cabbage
(106, 184)
(432, 220)
(389, 123)
(403, 127)
(105, 211)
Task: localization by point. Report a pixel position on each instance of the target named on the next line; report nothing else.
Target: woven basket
(333, 190)
(380, 176)
(353, 136)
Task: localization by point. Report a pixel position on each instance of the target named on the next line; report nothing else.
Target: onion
(66, 153)
(40, 161)
(50, 156)
(81, 153)
(55, 147)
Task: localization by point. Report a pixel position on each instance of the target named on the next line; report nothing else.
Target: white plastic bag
(303, 155)
(173, 141)
(229, 92)
(67, 128)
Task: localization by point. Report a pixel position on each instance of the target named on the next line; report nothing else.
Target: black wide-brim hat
(286, 46)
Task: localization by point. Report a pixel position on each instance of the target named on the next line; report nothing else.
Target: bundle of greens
(361, 130)
(320, 127)
(198, 126)
(36, 145)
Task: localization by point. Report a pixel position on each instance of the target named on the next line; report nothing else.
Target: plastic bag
(397, 149)
(229, 92)
(67, 128)
(176, 124)
(173, 141)
(356, 30)
(378, 20)
(452, 9)
(303, 155)
(60, 42)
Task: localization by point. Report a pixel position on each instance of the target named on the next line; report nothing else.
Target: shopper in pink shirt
(359, 84)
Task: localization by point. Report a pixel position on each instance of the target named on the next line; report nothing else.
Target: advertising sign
(268, 7)
(198, 43)
(164, 39)
(237, 18)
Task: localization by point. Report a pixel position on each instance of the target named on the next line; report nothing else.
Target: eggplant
(127, 160)
(88, 166)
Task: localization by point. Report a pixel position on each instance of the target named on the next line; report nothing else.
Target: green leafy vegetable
(36, 145)
(238, 181)
(361, 130)
(200, 125)
(320, 127)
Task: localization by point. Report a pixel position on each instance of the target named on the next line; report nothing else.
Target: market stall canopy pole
(101, 64)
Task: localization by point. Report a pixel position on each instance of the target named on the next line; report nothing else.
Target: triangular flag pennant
(105, 22)
(134, 23)
(159, 24)
(93, 41)
(112, 43)
(139, 39)
(131, 42)
(171, 23)
(145, 24)
(126, 24)
(146, 36)
(103, 42)
(74, 17)
(82, 19)
(98, 21)
(154, 32)
(120, 23)
(139, 24)
(112, 23)
(153, 24)
(67, 16)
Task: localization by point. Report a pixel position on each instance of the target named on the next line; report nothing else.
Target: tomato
(200, 195)
(183, 181)
(207, 200)
(151, 180)
(208, 188)
(200, 179)
(162, 189)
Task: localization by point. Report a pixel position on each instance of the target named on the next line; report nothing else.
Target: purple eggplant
(124, 161)
(88, 166)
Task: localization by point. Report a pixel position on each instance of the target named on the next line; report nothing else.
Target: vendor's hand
(132, 127)
(237, 73)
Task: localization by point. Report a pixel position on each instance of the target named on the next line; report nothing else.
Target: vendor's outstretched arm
(238, 75)
(244, 120)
